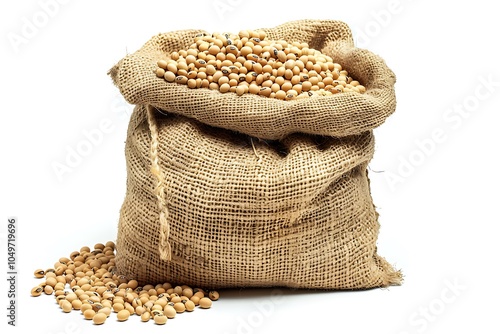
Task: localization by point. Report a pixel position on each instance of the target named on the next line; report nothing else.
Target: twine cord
(164, 245)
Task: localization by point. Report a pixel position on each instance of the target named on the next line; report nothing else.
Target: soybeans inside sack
(250, 63)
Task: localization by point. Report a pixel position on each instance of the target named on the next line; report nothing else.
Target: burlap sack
(247, 191)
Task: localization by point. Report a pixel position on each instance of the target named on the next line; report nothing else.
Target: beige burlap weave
(247, 191)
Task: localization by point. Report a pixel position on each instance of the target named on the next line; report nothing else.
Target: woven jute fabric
(231, 191)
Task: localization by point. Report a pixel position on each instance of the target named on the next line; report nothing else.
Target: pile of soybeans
(251, 63)
(86, 282)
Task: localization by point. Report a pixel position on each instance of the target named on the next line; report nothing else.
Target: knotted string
(164, 245)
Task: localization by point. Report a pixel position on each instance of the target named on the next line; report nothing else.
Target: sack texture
(229, 191)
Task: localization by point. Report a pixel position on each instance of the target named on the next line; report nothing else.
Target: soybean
(145, 316)
(205, 302)
(123, 315)
(179, 307)
(36, 291)
(213, 295)
(169, 76)
(99, 318)
(160, 319)
(66, 306)
(189, 305)
(170, 311)
(48, 289)
(39, 273)
(89, 314)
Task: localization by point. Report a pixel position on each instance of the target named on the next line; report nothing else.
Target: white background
(434, 175)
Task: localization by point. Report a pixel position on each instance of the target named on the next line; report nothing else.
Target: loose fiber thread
(164, 245)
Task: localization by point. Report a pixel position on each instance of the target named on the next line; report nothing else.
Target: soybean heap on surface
(86, 282)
